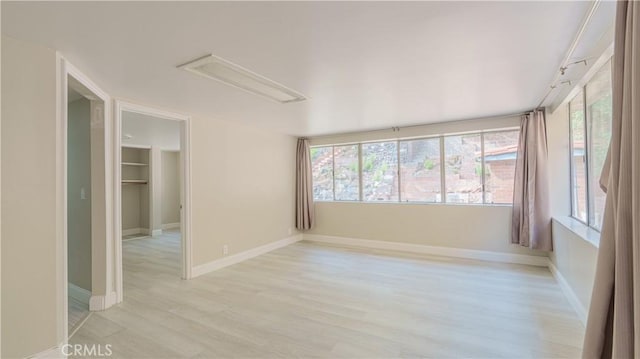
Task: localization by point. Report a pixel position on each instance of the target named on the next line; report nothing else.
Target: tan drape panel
(304, 189)
(531, 219)
(613, 327)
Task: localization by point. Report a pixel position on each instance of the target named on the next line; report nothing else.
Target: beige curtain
(304, 189)
(613, 327)
(531, 220)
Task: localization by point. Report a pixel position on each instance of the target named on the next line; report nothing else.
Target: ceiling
(363, 65)
(145, 130)
(73, 95)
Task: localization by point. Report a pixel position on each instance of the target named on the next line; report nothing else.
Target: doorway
(152, 201)
(78, 206)
(85, 198)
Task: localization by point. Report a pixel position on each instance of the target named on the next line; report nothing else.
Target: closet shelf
(134, 164)
(134, 181)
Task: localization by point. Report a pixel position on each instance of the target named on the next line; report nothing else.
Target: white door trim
(65, 70)
(185, 184)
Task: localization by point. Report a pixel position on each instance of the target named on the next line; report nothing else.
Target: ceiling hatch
(219, 69)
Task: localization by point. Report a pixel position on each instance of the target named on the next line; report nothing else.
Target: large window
(590, 122)
(420, 170)
(380, 171)
(500, 150)
(322, 173)
(463, 168)
(347, 184)
(471, 168)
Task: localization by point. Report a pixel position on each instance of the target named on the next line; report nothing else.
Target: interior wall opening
(150, 198)
(86, 200)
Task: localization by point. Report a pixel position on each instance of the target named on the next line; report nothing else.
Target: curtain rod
(398, 128)
(570, 50)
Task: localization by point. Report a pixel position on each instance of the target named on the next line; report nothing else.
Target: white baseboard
(156, 232)
(51, 353)
(170, 225)
(242, 256)
(128, 232)
(80, 294)
(438, 251)
(102, 302)
(569, 293)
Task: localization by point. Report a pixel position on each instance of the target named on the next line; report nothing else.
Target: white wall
(150, 131)
(0, 184)
(476, 227)
(243, 187)
(135, 198)
(131, 216)
(573, 256)
(170, 187)
(486, 228)
(575, 259)
(155, 215)
(29, 275)
(79, 179)
(242, 182)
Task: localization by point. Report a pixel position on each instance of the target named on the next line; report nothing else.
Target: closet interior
(135, 192)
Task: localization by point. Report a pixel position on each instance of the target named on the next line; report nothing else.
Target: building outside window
(472, 168)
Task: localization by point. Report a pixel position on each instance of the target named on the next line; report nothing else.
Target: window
(500, 149)
(463, 168)
(420, 170)
(380, 171)
(578, 158)
(590, 123)
(475, 168)
(599, 113)
(347, 182)
(322, 173)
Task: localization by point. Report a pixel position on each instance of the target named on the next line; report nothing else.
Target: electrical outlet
(290, 230)
(225, 250)
(83, 193)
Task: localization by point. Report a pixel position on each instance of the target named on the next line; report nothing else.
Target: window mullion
(360, 189)
(333, 170)
(482, 171)
(398, 170)
(572, 168)
(587, 147)
(443, 187)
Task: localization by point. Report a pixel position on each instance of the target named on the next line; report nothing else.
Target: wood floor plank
(322, 301)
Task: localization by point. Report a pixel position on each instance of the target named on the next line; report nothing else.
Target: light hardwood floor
(129, 237)
(312, 300)
(77, 312)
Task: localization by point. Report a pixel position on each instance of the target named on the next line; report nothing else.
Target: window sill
(580, 229)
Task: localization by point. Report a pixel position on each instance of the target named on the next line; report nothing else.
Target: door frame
(97, 302)
(185, 185)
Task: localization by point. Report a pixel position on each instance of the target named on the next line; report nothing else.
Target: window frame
(440, 137)
(587, 154)
(572, 167)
